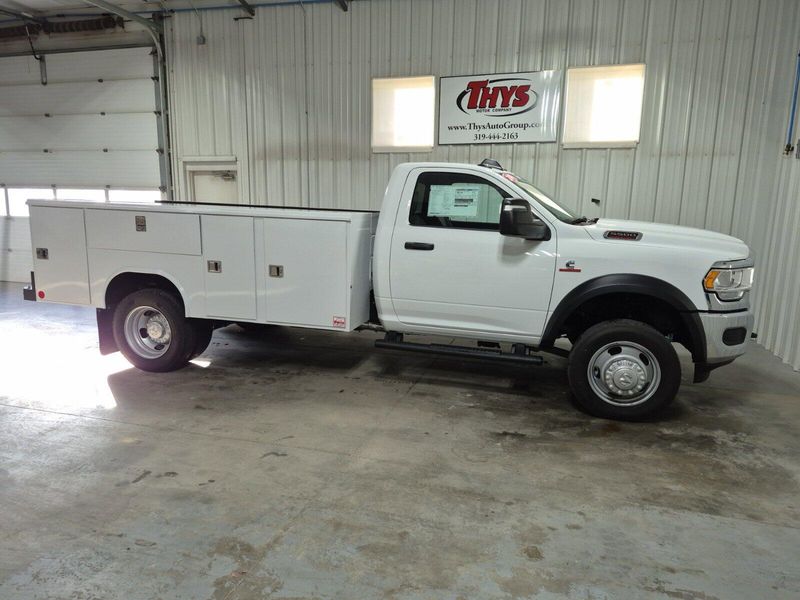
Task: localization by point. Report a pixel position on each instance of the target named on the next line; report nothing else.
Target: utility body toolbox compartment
(300, 267)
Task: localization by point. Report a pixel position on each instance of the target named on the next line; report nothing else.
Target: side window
(456, 200)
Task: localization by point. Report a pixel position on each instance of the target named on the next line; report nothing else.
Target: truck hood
(725, 247)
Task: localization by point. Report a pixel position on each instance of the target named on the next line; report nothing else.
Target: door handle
(418, 246)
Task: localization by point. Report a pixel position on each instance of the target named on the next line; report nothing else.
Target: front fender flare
(630, 283)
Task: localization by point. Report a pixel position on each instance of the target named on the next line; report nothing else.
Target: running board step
(462, 352)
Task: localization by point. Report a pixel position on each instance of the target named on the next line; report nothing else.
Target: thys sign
(500, 108)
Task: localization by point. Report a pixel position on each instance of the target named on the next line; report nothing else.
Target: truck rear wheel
(152, 332)
(623, 370)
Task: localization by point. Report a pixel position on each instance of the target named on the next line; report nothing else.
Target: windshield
(558, 211)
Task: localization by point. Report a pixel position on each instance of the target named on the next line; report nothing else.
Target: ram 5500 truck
(461, 251)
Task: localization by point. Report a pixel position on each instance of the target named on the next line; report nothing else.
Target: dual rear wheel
(151, 331)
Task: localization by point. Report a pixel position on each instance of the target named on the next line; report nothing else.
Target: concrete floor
(308, 465)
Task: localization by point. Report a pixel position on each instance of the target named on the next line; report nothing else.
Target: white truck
(462, 251)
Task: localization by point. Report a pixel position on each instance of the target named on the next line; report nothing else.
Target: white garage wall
(719, 76)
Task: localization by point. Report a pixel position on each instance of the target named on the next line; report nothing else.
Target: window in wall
(92, 195)
(134, 195)
(603, 106)
(403, 114)
(455, 200)
(17, 198)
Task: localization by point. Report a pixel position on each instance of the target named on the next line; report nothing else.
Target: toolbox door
(59, 254)
(307, 280)
(229, 265)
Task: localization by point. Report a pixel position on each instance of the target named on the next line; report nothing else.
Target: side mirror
(517, 220)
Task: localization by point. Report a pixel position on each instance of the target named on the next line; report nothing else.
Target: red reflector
(40, 294)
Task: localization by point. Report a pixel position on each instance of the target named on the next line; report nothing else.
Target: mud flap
(703, 370)
(29, 291)
(105, 332)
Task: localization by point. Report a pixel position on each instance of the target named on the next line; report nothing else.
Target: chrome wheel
(624, 373)
(147, 332)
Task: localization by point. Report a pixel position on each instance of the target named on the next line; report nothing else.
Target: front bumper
(726, 335)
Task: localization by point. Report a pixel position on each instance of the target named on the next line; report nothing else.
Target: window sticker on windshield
(458, 200)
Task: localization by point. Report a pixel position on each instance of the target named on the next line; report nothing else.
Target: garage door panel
(84, 148)
(77, 98)
(121, 63)
(81, 169)
(79, 132)
(76, 134)
(19, 70)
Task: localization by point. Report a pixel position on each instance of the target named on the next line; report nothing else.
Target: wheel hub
(147, 332)
(624, 373)
(156, 330)
(625, 377)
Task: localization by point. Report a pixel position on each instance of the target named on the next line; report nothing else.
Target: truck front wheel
(152, 332)
(623, 370)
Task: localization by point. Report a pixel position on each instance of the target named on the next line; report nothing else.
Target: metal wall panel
(207, 93)
(778, 320)
(288, 93)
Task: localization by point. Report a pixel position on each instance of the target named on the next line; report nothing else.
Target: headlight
(727, 283)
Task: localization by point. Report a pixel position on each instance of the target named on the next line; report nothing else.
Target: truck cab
(457, 250)
(479, 252)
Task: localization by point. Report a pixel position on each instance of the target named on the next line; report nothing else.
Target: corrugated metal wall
(778, 320)
(288, 94)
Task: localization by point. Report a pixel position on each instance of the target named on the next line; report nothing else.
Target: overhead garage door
(93, 126)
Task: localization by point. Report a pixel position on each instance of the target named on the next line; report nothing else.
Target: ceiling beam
(341, 4)
(23, 16)
(246, 6)
(113, 8)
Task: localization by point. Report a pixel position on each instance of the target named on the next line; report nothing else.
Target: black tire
(203, 330)
(182, 338)
(644, 357)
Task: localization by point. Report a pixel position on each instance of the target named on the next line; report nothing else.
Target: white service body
(218, 257)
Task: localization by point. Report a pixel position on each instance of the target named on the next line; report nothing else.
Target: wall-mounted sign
(499, 108)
